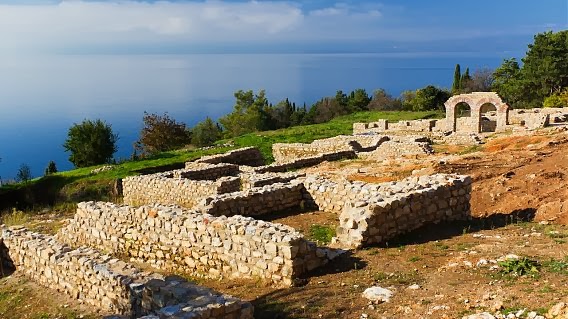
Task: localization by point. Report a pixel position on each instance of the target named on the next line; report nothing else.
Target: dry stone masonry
(111, 285)
(175, 188)
(177, 240)
(373, 213)
(286, 153)
(250, 156)
(257, 201)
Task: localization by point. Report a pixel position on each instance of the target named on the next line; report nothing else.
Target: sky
(220, 26)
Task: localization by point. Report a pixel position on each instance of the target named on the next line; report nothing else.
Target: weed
(471, 149)
(519, 267)
(414, 259)
(546, 289)
(16, 217)
(321, 233)
(441, 246)
(557, 266)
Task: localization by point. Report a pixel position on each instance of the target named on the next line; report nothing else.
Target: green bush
(90, 143)
(323, 234)
(161, 134)
(519, 267)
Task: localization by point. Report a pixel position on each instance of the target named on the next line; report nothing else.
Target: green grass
(322, 234)
(79, 184)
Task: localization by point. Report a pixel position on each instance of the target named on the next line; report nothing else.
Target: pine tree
(456, 86)
(465, 79)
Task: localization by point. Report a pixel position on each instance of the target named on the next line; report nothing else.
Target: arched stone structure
(475, 101)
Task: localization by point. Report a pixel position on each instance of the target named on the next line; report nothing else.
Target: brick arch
(475, 100)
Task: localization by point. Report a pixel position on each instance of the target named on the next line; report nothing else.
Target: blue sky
(32, 26)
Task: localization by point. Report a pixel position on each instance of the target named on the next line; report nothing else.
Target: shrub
(205, 133)
(323, 234)
(161, 133)
(557, 99)
(24, 173)
(90, 143)
(519, 267)
(51, 168)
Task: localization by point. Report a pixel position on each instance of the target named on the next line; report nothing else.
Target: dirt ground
(441, 271)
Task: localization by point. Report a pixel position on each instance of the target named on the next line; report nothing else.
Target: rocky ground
(510, 261)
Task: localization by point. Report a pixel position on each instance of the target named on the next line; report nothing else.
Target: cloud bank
(74, 24)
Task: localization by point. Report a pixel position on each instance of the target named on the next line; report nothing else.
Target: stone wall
(250, 156)
(289, 152)
(305, 162)
(171, 188)
(250, 179)
(399, 147)
(423, 200)
(466, 124)
(257, 201)
(384, 126)
(196, 243)
(204, 171)
(111, 285)
(371, 213)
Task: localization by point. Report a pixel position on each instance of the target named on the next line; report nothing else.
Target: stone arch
(476, 100)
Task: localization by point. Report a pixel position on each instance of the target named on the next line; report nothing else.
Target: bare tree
(481, 81)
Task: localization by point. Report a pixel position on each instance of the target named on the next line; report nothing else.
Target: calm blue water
(41, 97)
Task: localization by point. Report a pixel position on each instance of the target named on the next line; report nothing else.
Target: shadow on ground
(446, 230)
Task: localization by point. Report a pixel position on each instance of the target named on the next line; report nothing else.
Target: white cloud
(71, 23)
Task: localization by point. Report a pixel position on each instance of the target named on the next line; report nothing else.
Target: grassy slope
(95, 185)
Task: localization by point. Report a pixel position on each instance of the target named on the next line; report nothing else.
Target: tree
(382, 101)
(205, 133)
(425, 99)
(544, 71)
(545, 66)
(465, 80)
(456, 86)
(480, 81)
(358, 100)
(51, 168)
(90, 143)
(249, 114)
(299, 116)
(508, 84)
(161, 133)
(557, 99)
(24, 173)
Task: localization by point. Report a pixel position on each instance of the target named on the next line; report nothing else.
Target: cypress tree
(456, 86)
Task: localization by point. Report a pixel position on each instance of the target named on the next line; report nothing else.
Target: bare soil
(451, 263)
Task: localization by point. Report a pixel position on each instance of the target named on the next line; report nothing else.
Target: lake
(42, 96)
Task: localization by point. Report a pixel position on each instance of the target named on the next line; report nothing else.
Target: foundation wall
(110, 285)
(176, 240)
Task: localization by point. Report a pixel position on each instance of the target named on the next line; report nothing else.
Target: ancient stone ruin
(212, 219)
(467, 117)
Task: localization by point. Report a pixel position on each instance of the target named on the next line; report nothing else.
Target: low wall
(288, 152)
(167, 189)
(177, 240)
(204, 171)
(384, 126)
(249, 156)
(112, 285)
(250, 179)
(373, 213)
(400, 147)
(256, 201)
(305, 162)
